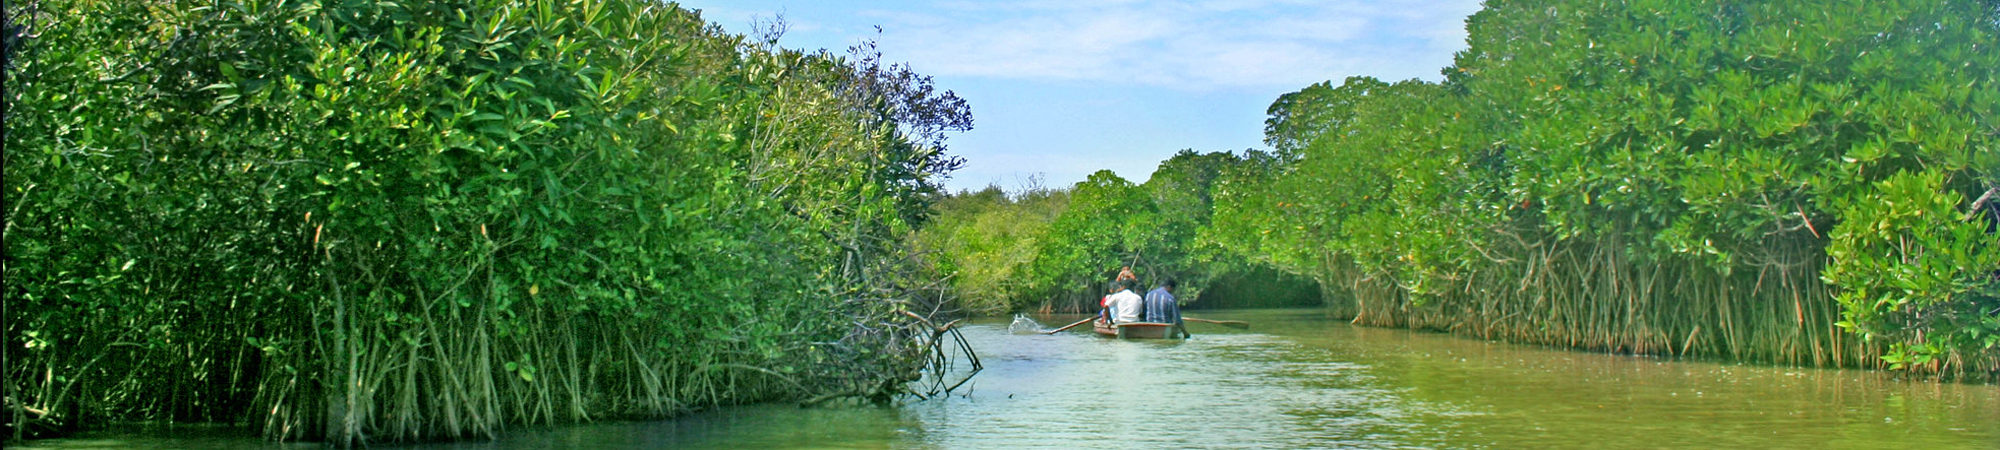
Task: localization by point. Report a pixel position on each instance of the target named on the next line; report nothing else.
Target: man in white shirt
(1125, 304)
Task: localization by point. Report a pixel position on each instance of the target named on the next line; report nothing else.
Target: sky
(1063, 88)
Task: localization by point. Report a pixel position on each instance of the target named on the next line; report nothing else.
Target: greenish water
(1299, 380)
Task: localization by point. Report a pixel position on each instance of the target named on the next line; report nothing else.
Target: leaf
(223, 101)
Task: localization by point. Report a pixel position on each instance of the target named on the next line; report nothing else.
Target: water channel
(1297, 379)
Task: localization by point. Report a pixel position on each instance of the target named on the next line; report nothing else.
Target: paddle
(1226, 323)
(1073, 325)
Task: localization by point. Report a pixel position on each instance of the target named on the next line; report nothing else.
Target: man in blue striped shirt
(1161, 306)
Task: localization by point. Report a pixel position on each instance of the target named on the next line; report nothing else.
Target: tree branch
(1980, 204)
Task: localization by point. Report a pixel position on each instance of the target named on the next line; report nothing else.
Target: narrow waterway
(1296, 379)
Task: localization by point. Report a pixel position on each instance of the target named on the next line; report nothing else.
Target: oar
(1226, 323)
(1073, 325)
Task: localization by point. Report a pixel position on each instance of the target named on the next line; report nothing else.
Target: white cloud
(1065, 87)
(1198, 45)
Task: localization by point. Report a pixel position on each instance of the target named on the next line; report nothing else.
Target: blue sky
(1060, 89)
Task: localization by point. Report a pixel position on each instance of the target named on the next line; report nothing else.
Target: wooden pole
(1067, 327)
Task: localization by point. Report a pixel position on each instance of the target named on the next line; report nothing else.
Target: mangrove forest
(399, 221)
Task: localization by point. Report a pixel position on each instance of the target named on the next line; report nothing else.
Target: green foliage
(982, 242)
(1257, 286)
(1183, 193)
(1109, 224)
(398, 220)
(1911, 271)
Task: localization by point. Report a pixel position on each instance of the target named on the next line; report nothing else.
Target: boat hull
(1137, 330)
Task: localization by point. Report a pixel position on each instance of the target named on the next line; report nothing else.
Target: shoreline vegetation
(1786, 182)
(392, 221)
(386, 221)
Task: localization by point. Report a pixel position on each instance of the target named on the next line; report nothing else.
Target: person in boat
(1104, 303)
(1125, 305)
(1124, 274)
(1160, 306)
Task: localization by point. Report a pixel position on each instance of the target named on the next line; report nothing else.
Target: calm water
(1298, 380)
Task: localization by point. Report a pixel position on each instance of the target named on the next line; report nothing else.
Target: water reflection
(1511, 396)
(1297, 380)
(759, 426)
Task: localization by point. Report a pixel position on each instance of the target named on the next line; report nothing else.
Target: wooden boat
(1137, 330)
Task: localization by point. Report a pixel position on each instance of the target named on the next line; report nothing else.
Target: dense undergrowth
(389, 221)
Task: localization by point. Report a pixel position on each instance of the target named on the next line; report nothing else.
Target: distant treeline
(1793, 182)
(1058, 249)
(373, 221)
